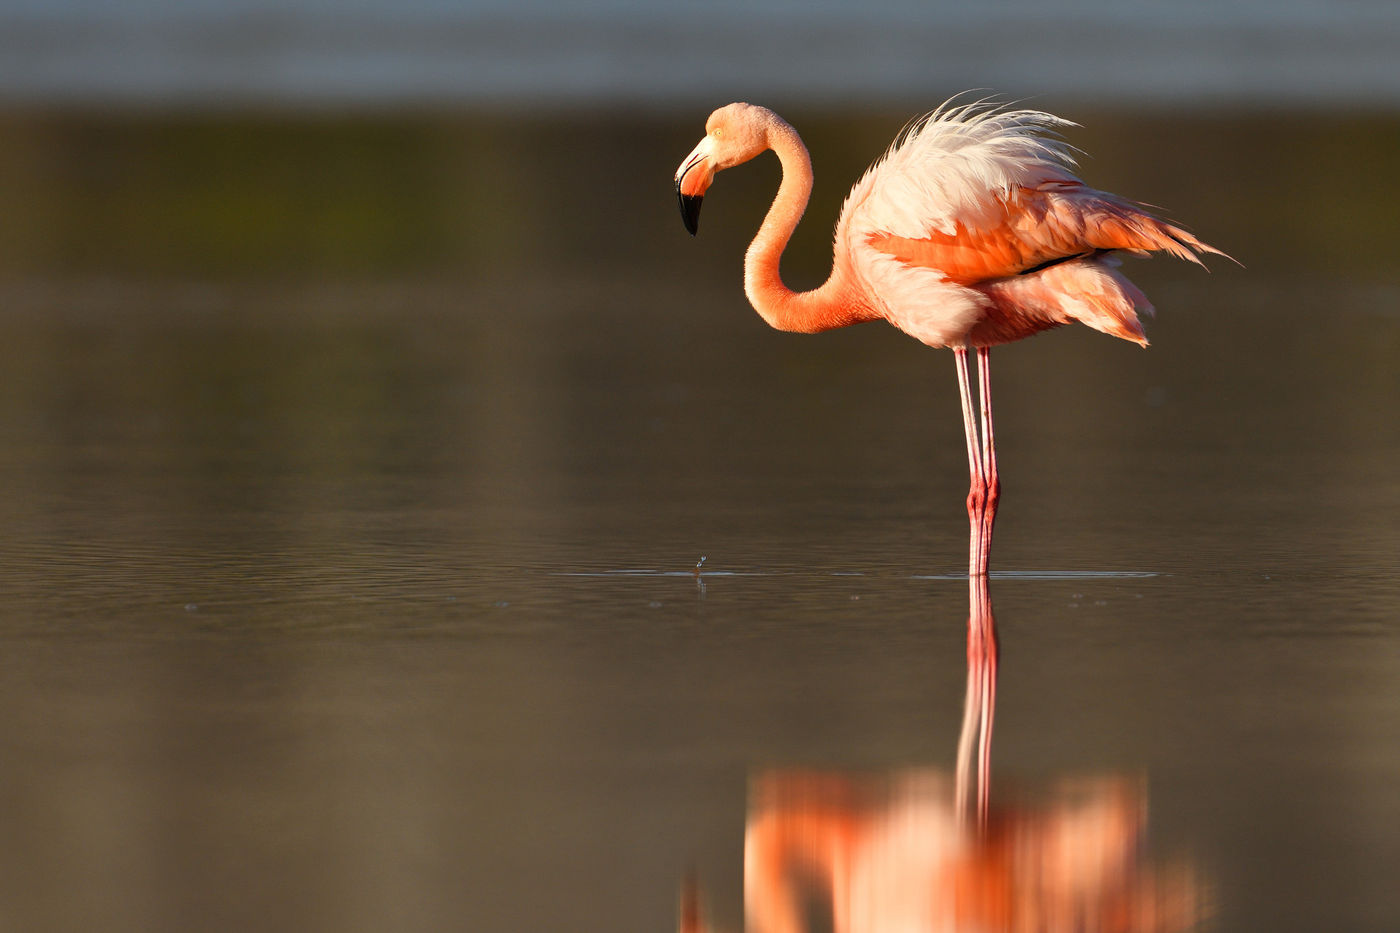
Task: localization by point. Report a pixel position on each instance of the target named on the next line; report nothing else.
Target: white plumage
(952, 164)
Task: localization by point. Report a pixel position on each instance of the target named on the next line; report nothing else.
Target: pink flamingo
(970, 232)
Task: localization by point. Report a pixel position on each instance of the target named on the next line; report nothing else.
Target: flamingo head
(734, 134)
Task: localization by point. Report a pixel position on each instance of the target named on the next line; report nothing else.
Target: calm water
(352, 473)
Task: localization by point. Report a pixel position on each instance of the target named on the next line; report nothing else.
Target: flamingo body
(971, 231)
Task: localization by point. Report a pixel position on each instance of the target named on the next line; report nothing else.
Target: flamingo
(971, 231)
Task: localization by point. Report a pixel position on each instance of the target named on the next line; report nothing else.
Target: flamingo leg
(974, 449)
(984, 488)
(989, 445)
(974, 765)
(977, 487)
(991, 482)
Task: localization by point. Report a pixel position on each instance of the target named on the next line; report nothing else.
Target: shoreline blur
(477, 195)
(551, 53)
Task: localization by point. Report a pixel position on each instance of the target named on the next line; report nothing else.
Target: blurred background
(365, 409)
(562, 53)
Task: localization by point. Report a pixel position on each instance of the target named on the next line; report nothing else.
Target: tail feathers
(1110, 303)
(1100, 296)
(1090, 291)
(1120, 225)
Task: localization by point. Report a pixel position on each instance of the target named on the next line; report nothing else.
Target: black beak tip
(690, 211)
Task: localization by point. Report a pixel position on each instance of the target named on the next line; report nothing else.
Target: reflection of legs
(692, 918)
(979, 705)
(971, 724)
(987, 656)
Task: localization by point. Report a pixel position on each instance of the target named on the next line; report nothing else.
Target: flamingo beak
(690, 210)
(692, 180)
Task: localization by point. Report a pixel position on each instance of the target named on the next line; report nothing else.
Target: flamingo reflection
(920, 850)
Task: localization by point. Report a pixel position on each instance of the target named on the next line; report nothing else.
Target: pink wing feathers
(1030, 228)
(974, 231)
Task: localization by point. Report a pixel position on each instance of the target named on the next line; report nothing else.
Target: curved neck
(823, 308)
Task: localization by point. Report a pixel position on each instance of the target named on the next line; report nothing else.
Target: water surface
(355, 470)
